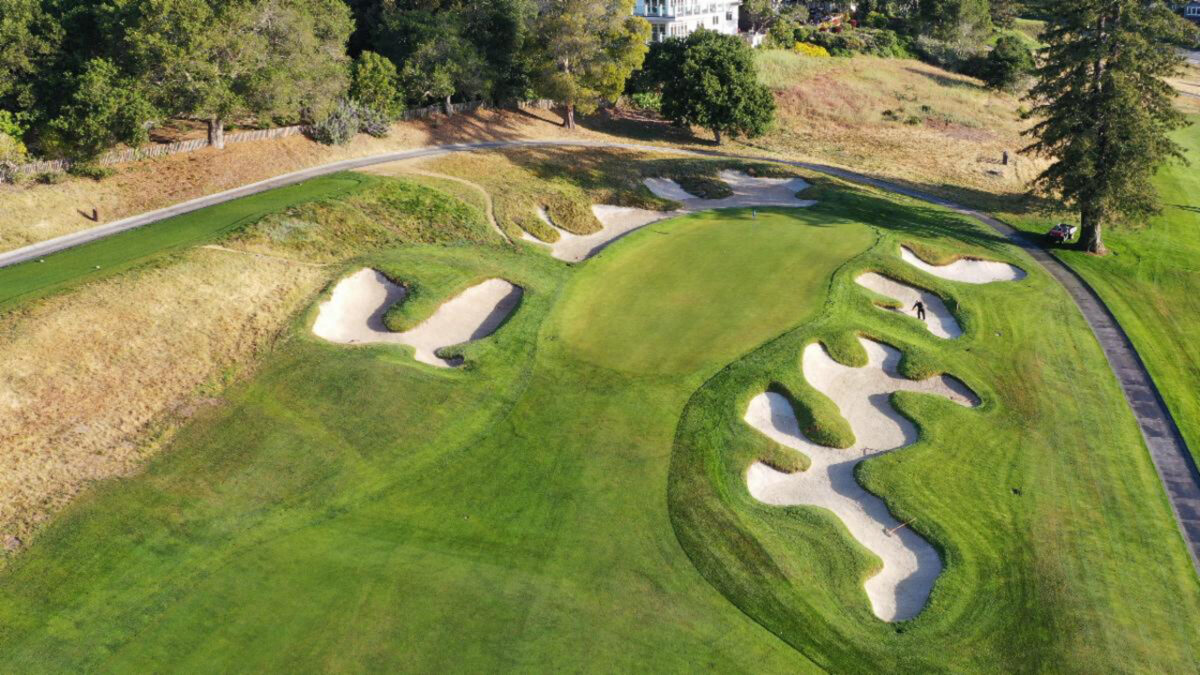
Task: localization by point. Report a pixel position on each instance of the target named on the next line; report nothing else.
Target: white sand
(966, 270)
(618, 221)
(910, 565)
(354, 315)
(747, 191)
(938, 319)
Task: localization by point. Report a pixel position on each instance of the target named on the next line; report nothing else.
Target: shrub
(373, 121)
(348, 118)
(339, 127)
(1008, 64)
(647, 100)
(89, 170)
(815, 51)
(48, 178)
(376, 83)
(953, 55)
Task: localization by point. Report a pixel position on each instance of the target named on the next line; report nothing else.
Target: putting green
(700, 290)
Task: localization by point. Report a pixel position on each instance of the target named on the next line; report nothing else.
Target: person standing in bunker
(920, 307)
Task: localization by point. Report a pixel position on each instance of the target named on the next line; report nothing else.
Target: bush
(339, 127)
(376, 83)
(348, 118)
(647, 100)
(1008, 64)
(876, 42)
(89, 170)
(374, 122)
(955, 55)
(815, 51)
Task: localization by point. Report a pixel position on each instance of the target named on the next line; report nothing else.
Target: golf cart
(1062, 233)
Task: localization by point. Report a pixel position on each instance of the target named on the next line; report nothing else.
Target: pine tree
(1105, 109)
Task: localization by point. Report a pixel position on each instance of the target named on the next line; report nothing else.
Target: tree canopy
(267, 59)
(709, 80)
(1105, 108)
(585, 52)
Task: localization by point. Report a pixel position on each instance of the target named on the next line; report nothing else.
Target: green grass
(552, 506)
(120, 252)
(1070, 572)
(1150, 283)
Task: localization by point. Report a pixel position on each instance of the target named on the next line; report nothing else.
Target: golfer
(920, 307)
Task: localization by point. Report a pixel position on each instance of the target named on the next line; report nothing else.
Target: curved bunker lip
(966, 270)
(940, 320)
(900, 590)
(619, 221)
(354, 315)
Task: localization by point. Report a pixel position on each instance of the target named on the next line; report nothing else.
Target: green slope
(119, 252)
(1150, 282)
(546, 508)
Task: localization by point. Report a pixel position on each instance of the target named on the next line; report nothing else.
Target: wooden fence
(146, 152)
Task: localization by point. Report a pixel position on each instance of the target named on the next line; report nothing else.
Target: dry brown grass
(94, 380)
(37, 212)
(831, 110)
(902, 120)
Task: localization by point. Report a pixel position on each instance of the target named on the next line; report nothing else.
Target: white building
(680, 18)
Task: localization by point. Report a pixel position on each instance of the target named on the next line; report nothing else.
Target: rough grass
(1150, 282)
(390, 211)
(902, 120)
(566, 182)
(96, 378)
(512, 514)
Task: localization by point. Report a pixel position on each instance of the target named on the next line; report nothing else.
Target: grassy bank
(1150, 280)
(349, 509)
(115, 254)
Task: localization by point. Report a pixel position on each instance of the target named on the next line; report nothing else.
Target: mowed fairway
(119, 252)
(350, 510)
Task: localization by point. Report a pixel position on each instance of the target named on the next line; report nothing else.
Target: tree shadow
(946, 81)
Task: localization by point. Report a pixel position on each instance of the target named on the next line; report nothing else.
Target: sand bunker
(618, 221)
(910, 565)
(747, 191)
(966, 270)
(938, 319)
(354, 315)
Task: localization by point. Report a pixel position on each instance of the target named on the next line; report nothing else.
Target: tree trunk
(449, 107)
(571, 116)
(1091, 231)
(216, 133)
(717, 134)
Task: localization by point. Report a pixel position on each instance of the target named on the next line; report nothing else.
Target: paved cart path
(1175, 466)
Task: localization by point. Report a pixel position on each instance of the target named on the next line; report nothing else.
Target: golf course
(591, 442)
